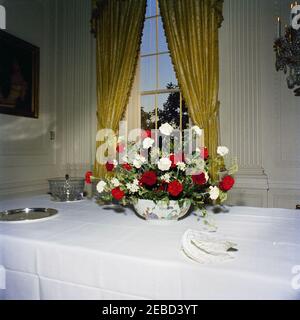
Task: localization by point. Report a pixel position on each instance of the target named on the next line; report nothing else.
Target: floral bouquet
(166, 186)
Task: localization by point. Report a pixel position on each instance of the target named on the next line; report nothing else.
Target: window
(160, 97)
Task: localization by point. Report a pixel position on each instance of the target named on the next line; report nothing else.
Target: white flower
(148, 143)
(137, 164)
(166, 129)
(133, 187)
(222, 151)
(181, 166)
(114, 162)
(197, 130)
(166, 177)
(136, 182)
(164, 164)
(214, 193)
(206, 176)
(100, 186)
(115, 182)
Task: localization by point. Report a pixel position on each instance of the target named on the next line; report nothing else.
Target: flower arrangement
(172, 176)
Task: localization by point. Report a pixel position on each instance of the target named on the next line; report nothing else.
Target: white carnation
(166, 129)
(164, 164)
(148, 143)
(166, 177)
(181, 166)
(100, 186)
(222, 151)
(115, 182)
(137, 164)
(132, 187)
(214, 193)
(197, 130)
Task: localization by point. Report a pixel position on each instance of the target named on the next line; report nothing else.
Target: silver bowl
(66, 189)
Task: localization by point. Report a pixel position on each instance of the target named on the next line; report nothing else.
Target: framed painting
(19, 76)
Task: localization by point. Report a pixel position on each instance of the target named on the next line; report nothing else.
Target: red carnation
(88, 176)
(204, 153)
(199, 179)
(175, 188)
(146, 134)
(175, 159)
(120, 148)
(227, 183)
(148, 178)
(117, 193)
(127, 166)
(109, 166)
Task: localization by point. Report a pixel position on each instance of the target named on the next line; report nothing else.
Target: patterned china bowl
(149, 210)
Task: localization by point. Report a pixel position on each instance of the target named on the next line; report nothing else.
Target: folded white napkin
(206, 248)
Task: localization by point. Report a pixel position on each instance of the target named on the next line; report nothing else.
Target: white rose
(166, 129)
(214, 193)
(222, 151)
(100, 186)
(181, 166)
(115, 182)
(197, 130)
(148, 143)
(164, 164)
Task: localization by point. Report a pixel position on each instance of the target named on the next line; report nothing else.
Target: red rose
(117, 193)
(120, 148)
(148, 178)
(199, 179)
(175, 188)
(109, 166)
(127, 166)
(88, 177)
(227, 183)
(204, 153)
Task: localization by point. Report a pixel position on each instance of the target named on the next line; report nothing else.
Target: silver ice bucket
(66, 189)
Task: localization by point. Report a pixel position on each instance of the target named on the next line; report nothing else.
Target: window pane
(162, 41)
(148, 73)
(149, 37)
(166, 71)
(148, 112)
(169, 110)
(151, 8)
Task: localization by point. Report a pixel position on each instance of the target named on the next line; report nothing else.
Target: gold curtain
(117, 25)
(191, 28)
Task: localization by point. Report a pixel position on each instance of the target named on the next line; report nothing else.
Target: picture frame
(19, 76)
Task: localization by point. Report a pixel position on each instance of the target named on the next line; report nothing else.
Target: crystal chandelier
(287, 48)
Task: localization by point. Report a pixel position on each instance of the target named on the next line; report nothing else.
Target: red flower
(227, 183)
(127, 166)
(148, 178)
(204, 153)
(199, 179)
(117, 193)
(109, 166)
(146, 134)
(175, 188)
(88, 177)
(175, 159)
(120, 148)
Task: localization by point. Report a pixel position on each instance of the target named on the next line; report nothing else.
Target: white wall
(259, 115)
(27, 156)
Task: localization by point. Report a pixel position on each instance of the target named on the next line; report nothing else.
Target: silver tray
(26, 214)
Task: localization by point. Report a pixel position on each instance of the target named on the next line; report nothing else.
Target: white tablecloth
(89, 252)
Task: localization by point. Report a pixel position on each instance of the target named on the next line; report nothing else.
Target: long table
(93, 252)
